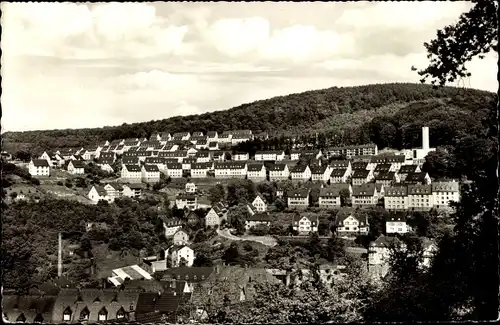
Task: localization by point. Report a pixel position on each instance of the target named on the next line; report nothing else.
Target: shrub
(60, 183)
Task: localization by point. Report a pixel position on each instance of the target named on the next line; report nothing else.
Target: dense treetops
(336, 108)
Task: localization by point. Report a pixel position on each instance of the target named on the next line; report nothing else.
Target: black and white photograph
(250, 162)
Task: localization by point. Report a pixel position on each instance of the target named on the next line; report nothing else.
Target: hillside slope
(332, 109)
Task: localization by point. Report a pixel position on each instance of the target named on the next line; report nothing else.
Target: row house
(76, 167)
(276, 155)
(279, 172)
(129, 143)
(301, 173)
(212, 136)
(202, 156)
(341, 164)
(54, 160)
(183, 136)
(216, 214)
(256, 172)
(150, 174)
(179, 155)
(131, 173)
(381, 168)
(146, 154)
(218, 155)
(186, 200)
(171, 147)
(296, 154)
(171, 226)
(405, 170)
(199, 170)
(90, 153)
(396, 198)
(259, 203)
(386, 178)
(417, 178)
(131, 161)
(106, 164)
(305, 224)
(339, 176)
(396, 162)
(201, 144)
(258, 219)
(164, 137)
(39, 167)
(240, 138)
(420, 197)
(360, 165)
(349, 223)
(230, 169)
(224, 139)
(375, 161)
(445, 192)
(110, 156)
(157, 161)
(365, 195)
(192, 152)
(298, 199)
(241, 156)
(329, 198)
(213, 145)
(186, 162)
(360, 176)
(174, 170)
(353, 151)
(396, 224)
(320, 173)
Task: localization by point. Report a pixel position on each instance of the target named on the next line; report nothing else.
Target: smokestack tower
(59, 257)
(425, 138)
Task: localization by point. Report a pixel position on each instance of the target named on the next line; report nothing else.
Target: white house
(113, 190)
(360, 177)
(181, 237)
(39, 167)
(190, 187)
(76, 167)
(184, 136)
(298, 199)
(420, 197)
(339, 175)
(364, 195)
(202, 157)
(181, 255)
(396, 224)
(396, 198)
(351, 224)
(329, 198)
(97, 193)
(305, 224)
(301, 173)
(212, 136)
(257, 219)
(174, 170)
(256, 172)
(278, 172)
(132, 190)
(320, 173)
(186, 200)
(230, 169)
(341, 164)
(445, 192)
(131, 173)
(274, 155)
(241, 156)
(199, 170)
(260, 203)
(171, 226)
(216, 214)
(158, 161)
(150, 174)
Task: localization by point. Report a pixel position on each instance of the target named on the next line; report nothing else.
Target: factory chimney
(425, 138)
(59, 257)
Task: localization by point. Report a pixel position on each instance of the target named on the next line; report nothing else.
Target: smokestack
(425, 137)
(59, 257)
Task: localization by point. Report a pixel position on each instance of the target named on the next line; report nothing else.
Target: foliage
(259, 230)
(240, 191)
(216, 194)
(237, 215)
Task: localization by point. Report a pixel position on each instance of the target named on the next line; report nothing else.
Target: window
(21, 319)
(103, 314)
(120, 313)
(85, 313)
(67, 314)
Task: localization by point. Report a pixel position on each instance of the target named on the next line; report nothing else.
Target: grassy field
(108, 260)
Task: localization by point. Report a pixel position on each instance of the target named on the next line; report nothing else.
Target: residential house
(320, 173)
(360, 177)
(150, 174)
(158, 161)
(131, 173)
(169, 147)
(192, 152)
(186, 163)
(396, 162)
(181, 237)
(171, 225)
(195, 218)
(132, 190)
(202, 156)
(130, 161)
(258, 219)
(186, 200)
(113, 190)
(256, 172)
(298, 199)
(353, 151)
(330, 198)
(444, 192)
(39, 167)
(179, 154)
(230, 169)
(97, 193)
(174, 170)
(199, 170)
(279, 172)
(181, 255)
(301, 173)
(239, 138)
(262, 136)
(240, 156)
(305, 224)
(213, 145)
(260, 203)
(396, 197)
(184, 136)
(364, 195)
(224, 139)
(379, 255)
(351, 223)
(190, 187)
(295, 154)
(381, 168)
(276, 155)
(217, 155)
(420, 197)
(407, 169)
(417, 178)
(341, 164)
(105, 164)
(360, 165)
(386, 178)
(32, 308)
(217, 213)
(339, 176)
(212, 136)
(396, 223)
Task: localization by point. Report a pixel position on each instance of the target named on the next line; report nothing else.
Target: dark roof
(339, 163)
(398, 217)
(40, 163)
(174, 165)
(385, 175)
(230, 165)
(445, 187)
(299, 168)
(133, 168)
(346, 213)
(185, 196)
(150, 302)
(189, 274)
(77, 164)
(255, 167)
(359, 165)
(395, 159)
(383, 167)
(202, 154)
(385, 241)
(212, 133)
(360, 173)
(130, 160)
(405, 169)
(189, 160)
(299, 193)
(419, 189)
(107, 155)
(277, 167)
(151, 168)
(154, 160)
(364, 190)
(318, 169)
(396, 191)
(333, 191)
(30, 306)
(338, 172)
(199, 166)
(171, 222)
(314, 219)
(415, 177)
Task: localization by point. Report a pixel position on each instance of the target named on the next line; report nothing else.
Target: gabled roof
(360, 173)
(314, 219)
(40, 163)
(364, 190)
(151, 168)
(396, 217)
(199, 166)
(415, 177)
(385, 176)
(213, 144)
(333, 191)
(220, 208)
(116, 186)
(406, 169)
(130, 160)
(343, 214)
(189, 160)
(174, 165)
(338, 172)
(318, 169)
(132, 168)
(30, 306)
(445, 186)
(419, 189)
(299, 168)
(154, 160)
(255, 167)
(359, 165)
(185, 196)
(339, 163)
(298, 193)
(211, 134)
(277, 167)
(269, 152)
(202, 154)
(77, 163)
(383, 167)
(107, 155)
(395, 159)
(400, 190)
(230, 165)
(385, 241)
(171, 222)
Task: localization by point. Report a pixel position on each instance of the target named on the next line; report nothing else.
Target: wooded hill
(336, 109)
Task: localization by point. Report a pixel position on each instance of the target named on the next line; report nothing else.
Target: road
(265, 240)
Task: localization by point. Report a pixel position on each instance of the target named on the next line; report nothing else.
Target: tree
(259, 230)
(202, 260)
(344, 197)
(237, 215)
(280, 204)
(24, 156)
(335, 249)
(438, 164)
(216, 194)
(13, 195)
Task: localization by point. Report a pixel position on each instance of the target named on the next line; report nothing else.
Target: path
(265, 240)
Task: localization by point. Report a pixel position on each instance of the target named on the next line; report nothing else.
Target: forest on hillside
(343, 110)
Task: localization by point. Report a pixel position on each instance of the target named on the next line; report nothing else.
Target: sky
(78, 65)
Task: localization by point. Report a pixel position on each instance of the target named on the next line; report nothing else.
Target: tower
(425, 138)
(59, 257)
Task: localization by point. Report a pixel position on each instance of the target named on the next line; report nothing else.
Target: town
(318, 193)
